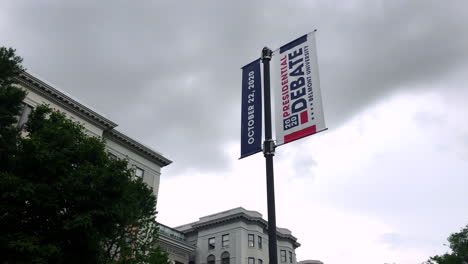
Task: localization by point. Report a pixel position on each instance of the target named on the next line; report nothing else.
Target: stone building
(236, 236)
(146, 162)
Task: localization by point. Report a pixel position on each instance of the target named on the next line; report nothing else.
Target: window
(260, 242)
(225, 240)
(260, 261)
(211, 243)
(251, 260)
(290, 257)
(251, 240)
(210, 259)
(139, 172)
(283, 255)
(24, 114)
(225, 257)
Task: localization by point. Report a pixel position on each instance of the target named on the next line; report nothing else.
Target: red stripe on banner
(300, 134)
(304, 117)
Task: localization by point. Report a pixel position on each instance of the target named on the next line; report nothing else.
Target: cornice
(176, 243)
(35, 84)
(138, 147)
(241, 216)
(230, 218)
(291, 238)
(31, 82)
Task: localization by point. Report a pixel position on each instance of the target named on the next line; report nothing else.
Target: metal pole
(269, 152)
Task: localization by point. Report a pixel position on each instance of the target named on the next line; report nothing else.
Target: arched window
(225, 257)
(210, 259)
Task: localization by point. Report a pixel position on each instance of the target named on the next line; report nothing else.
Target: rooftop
(235, 214)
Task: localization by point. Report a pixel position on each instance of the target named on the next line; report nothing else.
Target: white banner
(296, 89)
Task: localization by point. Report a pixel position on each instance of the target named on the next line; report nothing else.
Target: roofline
(36, 84)
(223, 219)
(174, 242)
(195, 226)
(140, 148)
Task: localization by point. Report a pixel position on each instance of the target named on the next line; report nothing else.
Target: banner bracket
(266, 54)
(269, 147)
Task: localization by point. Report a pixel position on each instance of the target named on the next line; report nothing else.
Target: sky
(386, 183)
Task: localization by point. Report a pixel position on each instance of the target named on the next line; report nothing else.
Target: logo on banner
(297, 92)
(293, 90)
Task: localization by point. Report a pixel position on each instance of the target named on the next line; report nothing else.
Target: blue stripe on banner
(251, 113)
(293, 43)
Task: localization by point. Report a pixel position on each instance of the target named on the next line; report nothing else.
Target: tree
(63, 198)
(10, 101)
(458, 243)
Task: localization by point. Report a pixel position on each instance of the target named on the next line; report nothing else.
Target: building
(236, 236)
(175, 243)
(146, 162)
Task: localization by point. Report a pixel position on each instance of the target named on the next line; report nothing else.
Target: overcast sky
(387, 183)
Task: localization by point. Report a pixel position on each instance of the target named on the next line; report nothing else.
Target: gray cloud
(168, 72)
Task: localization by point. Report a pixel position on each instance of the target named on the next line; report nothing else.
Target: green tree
(63, 199)
(458, 243)
(10, 102)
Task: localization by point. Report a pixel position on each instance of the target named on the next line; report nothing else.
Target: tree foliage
(63, 198)
(10, 66)
(10, 101)
(458, 243)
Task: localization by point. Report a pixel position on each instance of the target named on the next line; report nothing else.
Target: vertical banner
(296, 89)
(251, 120)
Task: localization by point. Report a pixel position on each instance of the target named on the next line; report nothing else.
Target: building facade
(146, 162)
(175, 243)
(236, 236)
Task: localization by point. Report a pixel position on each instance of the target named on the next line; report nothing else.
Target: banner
(296, 90)
(251, 114)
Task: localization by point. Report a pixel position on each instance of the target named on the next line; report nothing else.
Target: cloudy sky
(387, 183)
